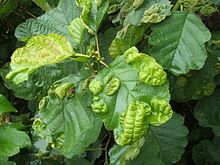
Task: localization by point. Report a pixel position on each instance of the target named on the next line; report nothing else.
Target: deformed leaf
(5, 105)
(205, 7)
(164, 144)
(127, 37)
(66, 122)
(40, 51)
(124, 82)
(11, 140)
(207, 112)
(178, 43)
(40, 80)
(157, 12)
(93, 12)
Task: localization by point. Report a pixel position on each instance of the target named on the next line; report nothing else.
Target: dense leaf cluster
(110, 82)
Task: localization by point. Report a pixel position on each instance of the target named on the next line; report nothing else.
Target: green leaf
(7, 6)
(151, 11)
(164, 144)
(127, 37)
(105, 40)
(178, 43)
(40, 80)
(207, 112)
(93, 13)
(40, 51)
(4, 161)
(207, 152)
(11, 140)
(205, 7)
(137, 81)
(56, 20)
(43, 4)
(196, 84)
(79, 35)
(5, 105)
(64, 119)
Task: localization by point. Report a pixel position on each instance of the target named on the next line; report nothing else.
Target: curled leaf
(133, 122)
(161, 112)
(157, 12)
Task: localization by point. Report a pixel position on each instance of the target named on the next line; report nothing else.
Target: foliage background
(194, 93)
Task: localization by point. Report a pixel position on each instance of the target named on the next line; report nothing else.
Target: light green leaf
(164, 144)
(56, 20)
(178, 43)
(152, 11)
(64, 119)
(40, 51)
(11, 140)
(207, 112)
(43, 4)
(79, 35)
(127, 37)
(93, 13)
(207, 152)
(196, 84)
(137, 81)
(5, 105)
(205, 7)
(4, 161)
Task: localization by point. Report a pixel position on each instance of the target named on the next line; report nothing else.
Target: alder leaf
(11, 140)
(5, 105)
(207, 112)
(56, 20)
(178, 43)
(93, 12)
(137, 81)
(40, 51)
(64, 120)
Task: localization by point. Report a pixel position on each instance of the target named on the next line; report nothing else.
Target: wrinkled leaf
(11, 140)
(205, 7)
(207, 112)
(93, 12)
(152, 11)
(40, 51)
(124, 82)
(127, 37)
(64, 119)
(40, 80)
(178, 43)
(164, 144)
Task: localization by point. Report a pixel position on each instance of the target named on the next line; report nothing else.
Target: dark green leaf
(56, 20)
(207, 112)
(64, 119)
(178, 42)
(207, 152)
